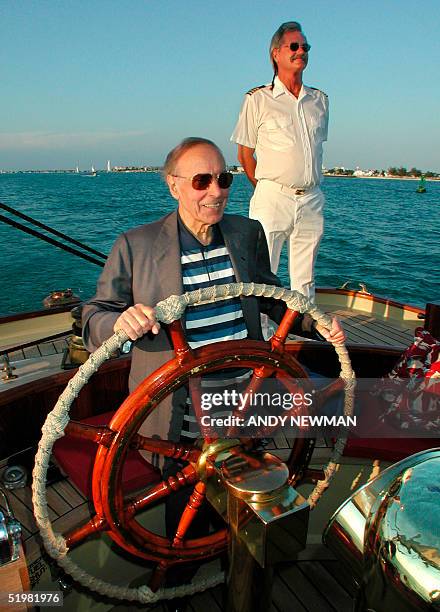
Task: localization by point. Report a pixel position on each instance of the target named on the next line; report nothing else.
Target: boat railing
(20, 347)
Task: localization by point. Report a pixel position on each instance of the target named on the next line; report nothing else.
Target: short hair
(288, 26)
(187, 143)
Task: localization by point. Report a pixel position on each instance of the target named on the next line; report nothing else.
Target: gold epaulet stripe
(251, 91)
(320, 90)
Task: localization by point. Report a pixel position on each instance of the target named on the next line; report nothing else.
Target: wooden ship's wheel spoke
(157, 578)
(96, 524)
(100, 434)
(187, 476)
(134, 505)
(182, 350)
(174, 450)
(196, 499)
(324, 394)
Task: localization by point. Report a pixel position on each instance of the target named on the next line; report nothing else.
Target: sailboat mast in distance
(109, 168)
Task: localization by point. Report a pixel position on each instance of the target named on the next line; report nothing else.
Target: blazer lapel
(238, 248)
(167, 258)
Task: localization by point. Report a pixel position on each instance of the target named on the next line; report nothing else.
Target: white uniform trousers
(296, 218)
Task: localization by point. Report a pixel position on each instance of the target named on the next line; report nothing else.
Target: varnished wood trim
(370, 297)
(33, 314)
(58, 379)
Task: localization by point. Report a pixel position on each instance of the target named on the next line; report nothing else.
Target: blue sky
(125, 81)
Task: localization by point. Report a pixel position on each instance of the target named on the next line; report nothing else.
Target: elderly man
(285, 124)
(196, 246)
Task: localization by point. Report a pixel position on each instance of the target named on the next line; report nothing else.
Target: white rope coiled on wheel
(166, 311)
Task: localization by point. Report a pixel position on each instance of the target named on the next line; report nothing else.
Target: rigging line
(60, 245)
(50, 229)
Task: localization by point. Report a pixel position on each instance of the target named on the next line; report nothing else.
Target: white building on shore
(360, 172)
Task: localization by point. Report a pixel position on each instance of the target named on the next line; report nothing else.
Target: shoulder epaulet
(320, 91)
(254, 89)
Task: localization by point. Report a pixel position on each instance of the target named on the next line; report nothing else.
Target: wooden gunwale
(33, 314)
(24, 331)
(371, 297)
(58, 379)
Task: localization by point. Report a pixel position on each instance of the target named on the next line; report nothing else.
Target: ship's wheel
(116, 514)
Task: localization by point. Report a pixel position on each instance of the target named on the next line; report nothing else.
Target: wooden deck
(304, 586)
(52, 347)
(363, 328)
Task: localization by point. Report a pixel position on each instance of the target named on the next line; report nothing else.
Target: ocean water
(380, 232)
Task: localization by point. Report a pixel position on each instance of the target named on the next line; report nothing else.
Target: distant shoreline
(158, 170)
(383, 178)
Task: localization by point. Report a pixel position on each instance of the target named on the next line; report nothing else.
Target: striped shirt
(204, 266)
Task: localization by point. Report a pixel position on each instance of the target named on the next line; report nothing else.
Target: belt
(298, 191)
(290, 189)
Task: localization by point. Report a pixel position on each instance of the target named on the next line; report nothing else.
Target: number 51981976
(47, 598)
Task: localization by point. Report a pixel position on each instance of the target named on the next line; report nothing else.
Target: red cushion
(419, 360)
(411, 391)
(76, 458)
(418, 404)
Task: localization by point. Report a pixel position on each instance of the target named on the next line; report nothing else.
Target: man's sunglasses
(200, 182)
(295, 46)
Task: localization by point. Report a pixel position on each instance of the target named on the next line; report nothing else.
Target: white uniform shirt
(286, 132)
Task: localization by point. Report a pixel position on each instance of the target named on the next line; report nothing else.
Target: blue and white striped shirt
(204, 266)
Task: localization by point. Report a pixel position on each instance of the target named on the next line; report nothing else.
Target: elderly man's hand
(336, 335)
(137, 321)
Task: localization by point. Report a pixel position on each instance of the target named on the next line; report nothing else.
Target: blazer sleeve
(114, 294)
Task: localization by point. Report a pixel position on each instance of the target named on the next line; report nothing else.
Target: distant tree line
(402, 171)
(392, 171)
(342, 171)
(136, 168)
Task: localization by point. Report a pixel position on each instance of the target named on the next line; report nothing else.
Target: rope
(57, 243)
(167, 311)
(21, 215)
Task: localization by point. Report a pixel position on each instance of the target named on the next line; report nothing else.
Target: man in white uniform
(284, 124)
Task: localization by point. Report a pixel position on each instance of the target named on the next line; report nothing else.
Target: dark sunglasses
(200, 182)
(295, 46)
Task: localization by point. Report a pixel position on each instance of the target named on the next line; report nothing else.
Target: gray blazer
(144, 267)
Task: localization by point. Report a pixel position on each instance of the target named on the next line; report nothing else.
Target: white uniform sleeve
(245, 132)
(325, 123)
